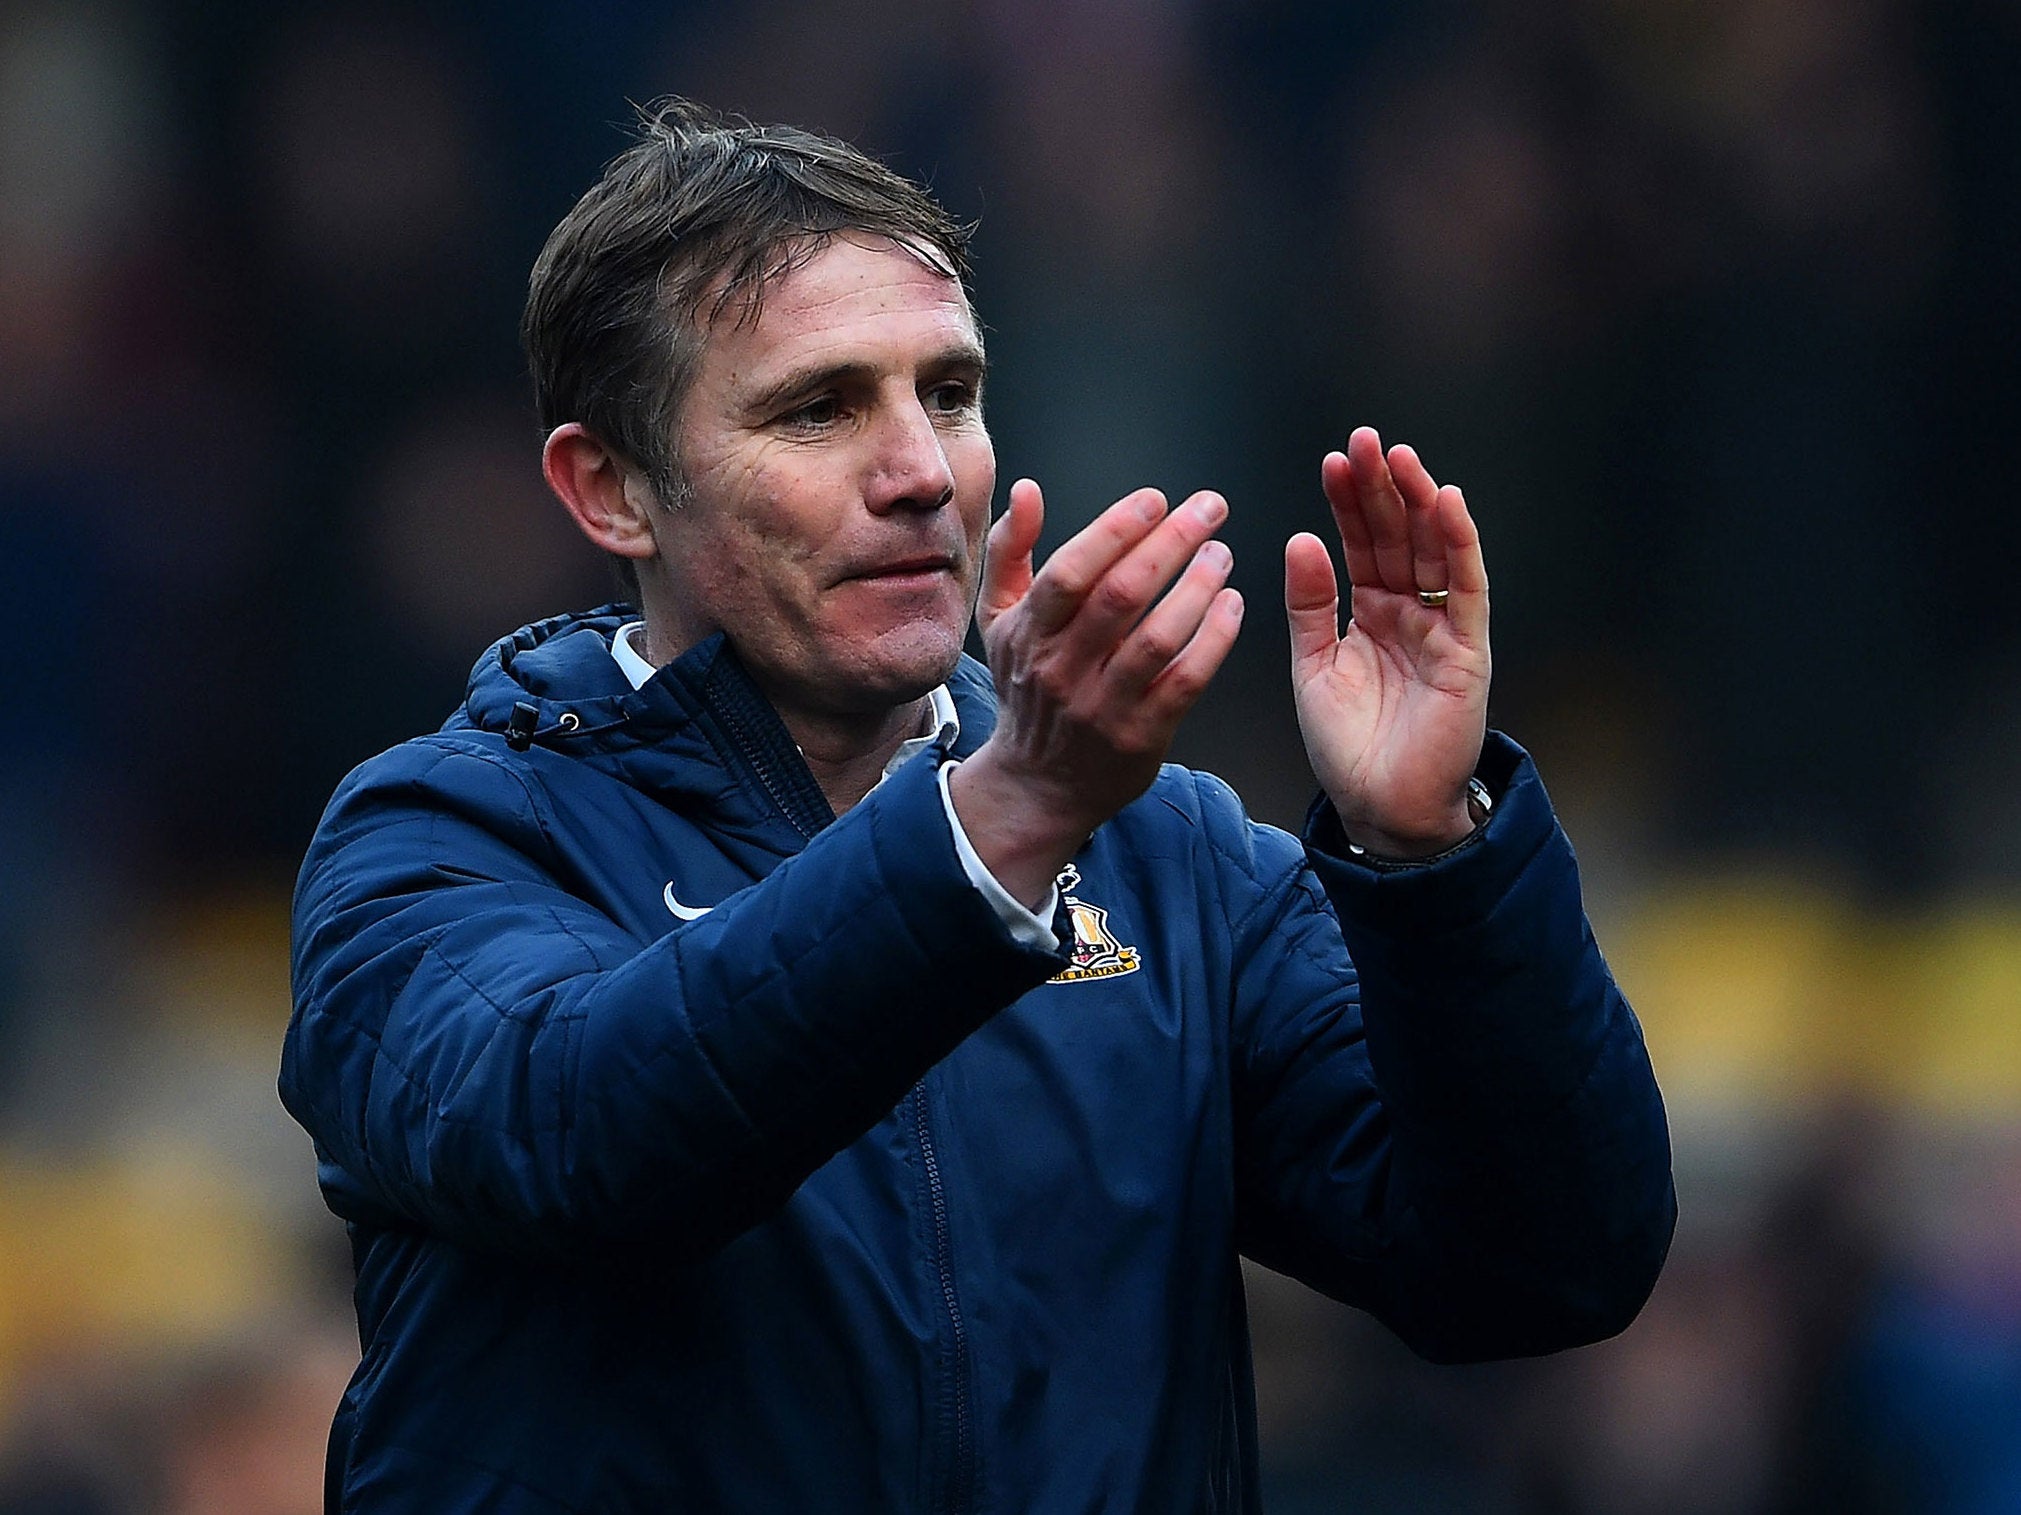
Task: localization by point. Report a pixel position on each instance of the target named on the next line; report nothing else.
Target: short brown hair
(703, 209)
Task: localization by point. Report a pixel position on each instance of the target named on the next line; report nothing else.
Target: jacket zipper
(943, 1261)
(808, 824)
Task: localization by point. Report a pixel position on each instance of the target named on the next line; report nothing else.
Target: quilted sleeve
(483, 1056)
(1446, 1113)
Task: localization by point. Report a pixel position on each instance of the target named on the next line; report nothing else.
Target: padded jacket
(701, 1150)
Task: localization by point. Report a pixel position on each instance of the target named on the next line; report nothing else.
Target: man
(768, 1061)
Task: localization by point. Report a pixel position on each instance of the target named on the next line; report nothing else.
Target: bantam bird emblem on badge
(1096, 952)
(684, 912)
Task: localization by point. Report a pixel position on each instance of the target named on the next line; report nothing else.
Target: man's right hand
(1093, 672)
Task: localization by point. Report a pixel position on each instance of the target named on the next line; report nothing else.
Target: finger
(1381, 506)
(1105, 609)
(1311, 599)
(1466, 568)
(1175, 690)
(1063, 585)
(1007, 558)
(1336, 478)
(1171, 624)
(1420, 493)
(1132, 584)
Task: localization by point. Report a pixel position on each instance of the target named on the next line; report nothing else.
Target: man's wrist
(1030, 925)
(1020, 838)
(1375, 845)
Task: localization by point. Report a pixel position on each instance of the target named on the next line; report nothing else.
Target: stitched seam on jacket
(431, 945)
(783, 966)
(431, 938)
(666, 1050)
(1271, 893)
(561, 1015)
(567, 1061)
(446, 750)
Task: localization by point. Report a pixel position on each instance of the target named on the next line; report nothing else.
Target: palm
(1394, 709)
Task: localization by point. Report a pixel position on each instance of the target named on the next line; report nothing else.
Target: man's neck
(846, 752)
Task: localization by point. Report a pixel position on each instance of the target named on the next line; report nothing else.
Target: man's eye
(950, 399)
(825, 411)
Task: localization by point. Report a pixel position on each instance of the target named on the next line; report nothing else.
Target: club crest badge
(1096, 952)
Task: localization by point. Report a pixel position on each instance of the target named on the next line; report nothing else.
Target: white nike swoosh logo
(684, 912)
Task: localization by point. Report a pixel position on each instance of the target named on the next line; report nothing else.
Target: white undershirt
(1030, 928)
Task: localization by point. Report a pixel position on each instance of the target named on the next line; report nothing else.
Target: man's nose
(910, 470)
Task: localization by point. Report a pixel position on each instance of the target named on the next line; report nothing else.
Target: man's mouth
(922, 566)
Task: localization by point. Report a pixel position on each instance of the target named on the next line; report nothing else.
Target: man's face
(840, 480)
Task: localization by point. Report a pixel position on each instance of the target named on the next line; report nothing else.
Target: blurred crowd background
(1710, 304)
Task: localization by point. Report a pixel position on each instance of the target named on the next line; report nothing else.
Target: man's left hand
(1394, 710)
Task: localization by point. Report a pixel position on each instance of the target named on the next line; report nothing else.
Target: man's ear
(610, 505)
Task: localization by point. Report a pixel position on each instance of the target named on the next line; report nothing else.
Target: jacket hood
(563, 668)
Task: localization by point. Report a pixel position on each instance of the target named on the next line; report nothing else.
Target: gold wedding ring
(1433, 599)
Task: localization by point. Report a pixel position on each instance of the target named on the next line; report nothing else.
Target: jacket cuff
(920, 850)
(1032, 928)
(1461, 886)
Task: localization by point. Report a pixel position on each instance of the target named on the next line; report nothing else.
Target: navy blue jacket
(837, 1198)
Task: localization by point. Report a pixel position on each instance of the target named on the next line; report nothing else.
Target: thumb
(1007, 559)
(1311, 599)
